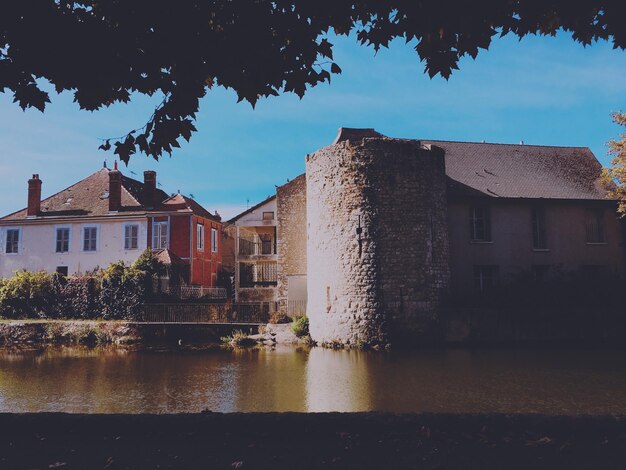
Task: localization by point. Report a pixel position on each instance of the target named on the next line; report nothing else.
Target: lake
(115, 380)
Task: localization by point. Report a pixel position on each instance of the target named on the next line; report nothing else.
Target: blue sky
(547, 91)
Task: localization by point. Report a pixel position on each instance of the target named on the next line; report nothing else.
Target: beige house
(251, 252)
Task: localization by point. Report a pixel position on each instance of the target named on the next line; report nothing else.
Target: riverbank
(36, 333)
(310, 441)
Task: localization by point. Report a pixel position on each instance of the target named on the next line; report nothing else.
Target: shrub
(238, 339)
(300, 326)
(278, 318)
(26, 295)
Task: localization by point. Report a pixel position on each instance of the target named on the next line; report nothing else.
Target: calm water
(507, 381)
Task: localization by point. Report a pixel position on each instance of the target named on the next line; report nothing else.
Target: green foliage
(615, 175)
(149, 264)
(180, 50)
(238, 339)
(115, 293)
(300, 326)
(26, 295)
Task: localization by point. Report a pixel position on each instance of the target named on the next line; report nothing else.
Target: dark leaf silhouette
(106, 52)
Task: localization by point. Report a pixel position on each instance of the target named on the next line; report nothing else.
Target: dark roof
(512, 171)
(522, 171)
(90, 197)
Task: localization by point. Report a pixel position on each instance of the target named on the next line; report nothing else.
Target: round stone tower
(377, 245)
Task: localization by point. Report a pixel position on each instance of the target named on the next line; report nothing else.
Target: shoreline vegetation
(309, 441)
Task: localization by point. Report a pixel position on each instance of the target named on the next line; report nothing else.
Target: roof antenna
(521, 142)
(105, 164)
(247, 203)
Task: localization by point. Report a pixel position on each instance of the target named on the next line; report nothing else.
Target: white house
(104, 218)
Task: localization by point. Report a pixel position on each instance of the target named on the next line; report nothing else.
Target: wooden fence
(240, 312)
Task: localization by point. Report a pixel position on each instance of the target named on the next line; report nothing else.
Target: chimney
(34, 196)
(149, 188)
(115, 189)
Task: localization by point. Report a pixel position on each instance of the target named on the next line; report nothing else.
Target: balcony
(258, 274)
(257, 246)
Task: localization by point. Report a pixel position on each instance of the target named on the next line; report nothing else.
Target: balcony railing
(257, 274)
(256, 247)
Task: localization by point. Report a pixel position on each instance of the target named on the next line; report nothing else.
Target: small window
(13, 241)
(268, 215)
(480, 224)
(485, 277)
(200, 237)
(131, 237)
(214, 240)
(62, 240)
(90, 238)
(62, 270)
(159, 235)
(539, 229)
(595, 226)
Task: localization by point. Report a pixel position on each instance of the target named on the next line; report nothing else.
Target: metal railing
(197, 292)
(258, 274)
(239, 312)
(256, 247)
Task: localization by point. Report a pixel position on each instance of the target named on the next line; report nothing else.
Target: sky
(544, 91)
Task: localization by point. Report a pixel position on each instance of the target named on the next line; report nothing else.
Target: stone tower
(377, 245)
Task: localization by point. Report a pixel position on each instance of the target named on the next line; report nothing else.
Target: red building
(187, 237)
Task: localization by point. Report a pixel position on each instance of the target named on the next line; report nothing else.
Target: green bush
(27, 295)
(300, 326)
(115, 293)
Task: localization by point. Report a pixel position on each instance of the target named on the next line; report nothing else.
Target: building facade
(251, 243)
(379, 231)
(108, 217)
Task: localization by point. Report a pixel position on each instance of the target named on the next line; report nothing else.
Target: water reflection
(508, 381)
(337, 381)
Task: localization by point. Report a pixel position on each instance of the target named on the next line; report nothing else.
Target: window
(62, 270)
(268, 215)
(159, 235)
(595, 226)
(200, 237)
(480, 224)
(131, 237)
(62, 240)
(214, 240)
(266, 244)
(13, 241)
(485, 277)
(539, 229)
(90, 238)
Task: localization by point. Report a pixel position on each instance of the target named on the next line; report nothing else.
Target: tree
(616, 173)
(104, 51)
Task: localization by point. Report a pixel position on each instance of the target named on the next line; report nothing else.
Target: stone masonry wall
(388, 290)
(291, 228)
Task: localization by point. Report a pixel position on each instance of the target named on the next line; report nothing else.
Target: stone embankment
(278, 334)
(34, 333)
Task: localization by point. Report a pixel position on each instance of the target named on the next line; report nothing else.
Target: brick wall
(389, 287)
(292, 223)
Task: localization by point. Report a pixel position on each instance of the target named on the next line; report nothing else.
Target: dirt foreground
(307, 441)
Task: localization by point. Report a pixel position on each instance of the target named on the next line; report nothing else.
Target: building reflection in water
(337, 381)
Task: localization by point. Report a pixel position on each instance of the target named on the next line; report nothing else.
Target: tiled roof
(247, 211)
(178, 202)
(512, 171)
(90, 197)
(522, 171)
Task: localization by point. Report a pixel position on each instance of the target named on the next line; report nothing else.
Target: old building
(251, 252)
(108, 217)
(381, 230)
